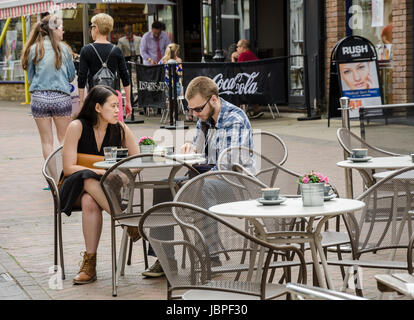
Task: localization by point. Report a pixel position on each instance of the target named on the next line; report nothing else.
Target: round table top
(379, 163)
(292, 207)
(138, 164)
(409, 175)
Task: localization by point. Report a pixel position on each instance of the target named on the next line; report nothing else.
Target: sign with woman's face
(359, 82)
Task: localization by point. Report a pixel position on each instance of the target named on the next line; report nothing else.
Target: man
(129, 44)
(243, 54)
(220, 125)
(153, 44)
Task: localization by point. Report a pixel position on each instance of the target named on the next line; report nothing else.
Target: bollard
(344, 101)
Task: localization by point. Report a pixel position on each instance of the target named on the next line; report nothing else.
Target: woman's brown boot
(87, 272)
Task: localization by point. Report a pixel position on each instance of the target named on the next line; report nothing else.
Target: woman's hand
(128, 111)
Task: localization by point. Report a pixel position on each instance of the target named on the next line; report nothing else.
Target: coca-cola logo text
(242, 83)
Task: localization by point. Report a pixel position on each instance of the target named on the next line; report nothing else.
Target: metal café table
(155, 162)
(367, 168)
(129, 168)
(293, 208)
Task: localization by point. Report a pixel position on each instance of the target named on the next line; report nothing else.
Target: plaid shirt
(232, 129)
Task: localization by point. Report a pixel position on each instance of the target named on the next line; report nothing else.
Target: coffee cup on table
(327, 190)
(359, 153)
(270, 193)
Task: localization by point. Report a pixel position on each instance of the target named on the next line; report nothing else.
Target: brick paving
(26, 211)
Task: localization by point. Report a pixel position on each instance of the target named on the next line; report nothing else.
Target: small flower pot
(146, 149)
(312, 194)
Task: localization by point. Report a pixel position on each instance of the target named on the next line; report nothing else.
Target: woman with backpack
(102, 63)
(50, 69)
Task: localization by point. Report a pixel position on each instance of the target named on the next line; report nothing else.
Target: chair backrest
(349, 141)
(271, 146)
(189, 248)
(52, 170)
(217, 187)
(119, 177)
(372, 228)
(304, 292)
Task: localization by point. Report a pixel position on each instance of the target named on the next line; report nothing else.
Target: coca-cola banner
(151, 86)
(254, 82)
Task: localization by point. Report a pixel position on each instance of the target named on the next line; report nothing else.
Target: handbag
(85, 160)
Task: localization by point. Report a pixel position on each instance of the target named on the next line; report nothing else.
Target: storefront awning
(18, 8)
(119, 1)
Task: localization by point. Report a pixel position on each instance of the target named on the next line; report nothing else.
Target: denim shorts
(46, 104)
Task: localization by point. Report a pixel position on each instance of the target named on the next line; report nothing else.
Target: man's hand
(187, 148)
(234, 56)
(151, 61)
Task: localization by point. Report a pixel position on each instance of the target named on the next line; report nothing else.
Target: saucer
(271, 202)
(364, 159)
(330, 197)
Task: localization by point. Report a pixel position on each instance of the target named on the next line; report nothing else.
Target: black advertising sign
(151, 86)
(254, 82)
(354, 64)
(352, 48)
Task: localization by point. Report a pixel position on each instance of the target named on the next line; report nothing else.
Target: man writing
(220, 125)
(243, 54)
(153, 44)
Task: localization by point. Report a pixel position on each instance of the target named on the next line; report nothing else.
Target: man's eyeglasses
(200, 108)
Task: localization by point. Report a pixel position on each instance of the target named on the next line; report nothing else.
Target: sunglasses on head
(91, 26)
(200, 108)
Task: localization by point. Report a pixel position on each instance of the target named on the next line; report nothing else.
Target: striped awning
(15, 9)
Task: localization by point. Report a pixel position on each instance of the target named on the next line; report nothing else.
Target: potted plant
(312, 188)
(146, 145)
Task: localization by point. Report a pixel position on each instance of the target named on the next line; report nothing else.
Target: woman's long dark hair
(100, 94)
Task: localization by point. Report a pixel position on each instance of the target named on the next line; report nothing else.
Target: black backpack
(104, 76)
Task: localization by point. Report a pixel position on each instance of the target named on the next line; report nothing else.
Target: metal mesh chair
(153, 178)
(216, 187)
(194, 278)
(382, 227)
(304, 292)
(271, 146)
(349, 141)
(52, 169)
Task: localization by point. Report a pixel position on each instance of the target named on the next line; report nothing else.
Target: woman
(101, 25)
(356, 76)
(50, 70)
(95, 127)
(172, 56)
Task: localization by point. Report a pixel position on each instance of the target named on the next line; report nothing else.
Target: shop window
(296, 49)
(372, 19)
(235, 23)
(11, 49)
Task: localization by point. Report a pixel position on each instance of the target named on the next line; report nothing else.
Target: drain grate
(5, 277)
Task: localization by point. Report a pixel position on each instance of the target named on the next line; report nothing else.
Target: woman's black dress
(72, 186)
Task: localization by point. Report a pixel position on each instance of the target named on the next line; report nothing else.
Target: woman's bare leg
(44, 125)
(91, 222)
(94, 189)
(61, 124)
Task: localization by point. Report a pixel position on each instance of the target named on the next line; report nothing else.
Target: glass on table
(110, 154)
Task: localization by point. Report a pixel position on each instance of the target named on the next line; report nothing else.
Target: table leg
(315, 260)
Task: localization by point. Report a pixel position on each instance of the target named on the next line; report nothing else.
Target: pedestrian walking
(101, 53)
(153, 44)
(50, 69)
(95, 127)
